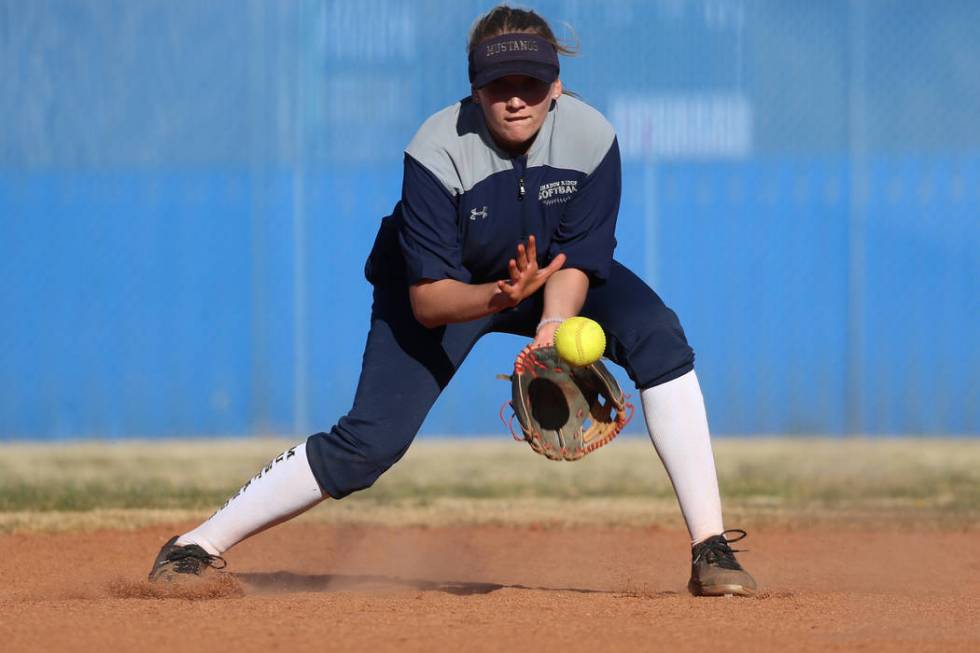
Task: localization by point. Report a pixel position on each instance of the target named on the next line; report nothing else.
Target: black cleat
(175, 559)
(715, 571)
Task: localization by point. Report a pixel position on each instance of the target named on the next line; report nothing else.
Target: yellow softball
(580, 341)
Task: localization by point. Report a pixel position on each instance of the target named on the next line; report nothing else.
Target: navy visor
(513, 54)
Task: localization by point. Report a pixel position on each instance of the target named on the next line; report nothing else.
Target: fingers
(527, 255)
(509, 290)
(555, 265)
(525, 276)
(522, 258)
(511, 286)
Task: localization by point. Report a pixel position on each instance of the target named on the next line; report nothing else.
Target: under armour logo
(482, 213)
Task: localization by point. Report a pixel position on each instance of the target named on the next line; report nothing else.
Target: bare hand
(545, 337)
(525, 275)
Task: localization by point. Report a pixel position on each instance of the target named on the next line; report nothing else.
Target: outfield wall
(187, 195)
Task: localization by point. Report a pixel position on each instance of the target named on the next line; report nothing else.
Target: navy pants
(406, 366)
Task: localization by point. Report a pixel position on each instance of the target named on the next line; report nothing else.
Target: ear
(475, 93)
(556, 89)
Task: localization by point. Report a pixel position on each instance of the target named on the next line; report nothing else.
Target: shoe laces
(716, 550)
(189, 559)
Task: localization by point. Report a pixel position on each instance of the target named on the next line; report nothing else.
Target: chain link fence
(188, 192)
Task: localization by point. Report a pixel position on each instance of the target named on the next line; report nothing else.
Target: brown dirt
(316, 587)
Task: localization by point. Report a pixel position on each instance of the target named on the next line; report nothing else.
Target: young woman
(506, 224)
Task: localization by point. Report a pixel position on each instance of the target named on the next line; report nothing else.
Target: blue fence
(188, 193)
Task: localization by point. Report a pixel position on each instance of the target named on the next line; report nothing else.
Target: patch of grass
(498, 481)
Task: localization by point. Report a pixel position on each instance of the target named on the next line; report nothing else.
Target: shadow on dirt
(285, 581)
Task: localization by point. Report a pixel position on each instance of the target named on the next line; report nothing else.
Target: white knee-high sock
(678, 427)
(281, 490)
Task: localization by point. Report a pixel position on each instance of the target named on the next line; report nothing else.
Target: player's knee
(661, 356)
(346, 461)
(654, 349)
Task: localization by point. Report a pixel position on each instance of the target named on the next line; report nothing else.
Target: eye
(531, 85)
(501, 86)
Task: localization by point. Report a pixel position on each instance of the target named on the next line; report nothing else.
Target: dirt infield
(320, 587)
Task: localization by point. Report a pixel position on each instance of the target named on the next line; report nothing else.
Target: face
(515, 108)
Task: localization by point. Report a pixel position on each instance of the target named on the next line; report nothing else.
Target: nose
(515, 103)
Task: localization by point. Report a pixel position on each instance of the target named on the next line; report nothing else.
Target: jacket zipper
(520, 164)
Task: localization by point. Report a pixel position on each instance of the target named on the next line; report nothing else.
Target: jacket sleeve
(429, 232)
(587, 230)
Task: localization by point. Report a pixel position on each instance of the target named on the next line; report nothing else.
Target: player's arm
(444, 301)
(436, 303)
(564, 296)
(586, 235)
(586, 231)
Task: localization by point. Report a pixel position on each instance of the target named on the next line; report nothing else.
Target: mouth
(517, 118)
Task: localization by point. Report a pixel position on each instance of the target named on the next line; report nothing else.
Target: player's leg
(645, 337)
(405, 367)
(283, 488)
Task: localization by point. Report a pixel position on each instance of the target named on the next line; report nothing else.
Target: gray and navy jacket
(466, 204)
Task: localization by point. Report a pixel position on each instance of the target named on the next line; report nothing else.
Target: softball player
(506, 224)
